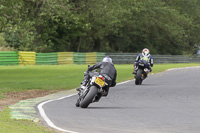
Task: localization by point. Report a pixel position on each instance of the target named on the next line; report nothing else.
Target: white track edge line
(48, 121)
(172, 69)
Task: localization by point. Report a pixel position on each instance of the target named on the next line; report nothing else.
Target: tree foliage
(163, 26)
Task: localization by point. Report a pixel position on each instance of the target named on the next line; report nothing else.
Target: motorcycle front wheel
(89, 97)
(138, 79)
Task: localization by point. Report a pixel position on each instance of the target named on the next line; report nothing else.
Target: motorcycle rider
(106, 69)
(145, 52)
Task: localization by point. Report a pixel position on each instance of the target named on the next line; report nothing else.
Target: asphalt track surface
(167, 102)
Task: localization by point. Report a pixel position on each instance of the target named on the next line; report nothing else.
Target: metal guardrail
(9, 58)
(129, 58)
(122, 58)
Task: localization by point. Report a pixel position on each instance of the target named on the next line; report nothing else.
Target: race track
(167, 102)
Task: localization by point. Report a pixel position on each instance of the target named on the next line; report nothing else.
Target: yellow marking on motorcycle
(99, 82)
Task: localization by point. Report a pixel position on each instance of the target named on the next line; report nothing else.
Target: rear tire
(138, 79)
(89, 97)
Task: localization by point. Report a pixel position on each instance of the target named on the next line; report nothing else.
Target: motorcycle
(92, 92)
(142, 70)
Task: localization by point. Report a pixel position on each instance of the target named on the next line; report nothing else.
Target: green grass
(21, 78)
(55, 77)
(8, 125)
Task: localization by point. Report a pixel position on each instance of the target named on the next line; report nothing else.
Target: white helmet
(145, 52)
(107, 59)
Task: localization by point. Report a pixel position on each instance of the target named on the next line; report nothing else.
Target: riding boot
(135, 69)
(84, 82)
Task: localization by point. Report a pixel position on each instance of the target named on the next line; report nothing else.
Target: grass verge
(8, 125)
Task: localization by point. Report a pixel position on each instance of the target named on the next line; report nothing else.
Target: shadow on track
(110, 107)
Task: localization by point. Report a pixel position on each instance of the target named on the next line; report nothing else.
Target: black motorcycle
(142, 70)
(93, 91)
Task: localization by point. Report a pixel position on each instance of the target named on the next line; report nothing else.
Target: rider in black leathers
(106, 69)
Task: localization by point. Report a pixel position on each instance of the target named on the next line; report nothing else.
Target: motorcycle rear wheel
(89, 97)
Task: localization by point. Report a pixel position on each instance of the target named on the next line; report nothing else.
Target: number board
(99, 82)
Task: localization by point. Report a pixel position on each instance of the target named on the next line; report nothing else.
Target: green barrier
(100, 56)
(26, 58)
(46, 58)
(9, 58)
(79, 58)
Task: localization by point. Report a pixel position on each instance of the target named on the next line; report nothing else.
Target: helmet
(107, 59)
(145, 52)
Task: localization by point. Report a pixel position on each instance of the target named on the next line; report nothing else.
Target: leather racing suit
(150, 64)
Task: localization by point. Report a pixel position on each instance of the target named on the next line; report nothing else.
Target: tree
(40, 25)
(164, 26)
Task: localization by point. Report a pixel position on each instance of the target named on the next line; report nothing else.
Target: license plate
(99, 82)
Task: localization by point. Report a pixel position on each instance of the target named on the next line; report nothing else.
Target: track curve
(167, 102)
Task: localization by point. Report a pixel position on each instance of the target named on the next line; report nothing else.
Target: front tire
(89, 97)
(138, 79)
(78, 103)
